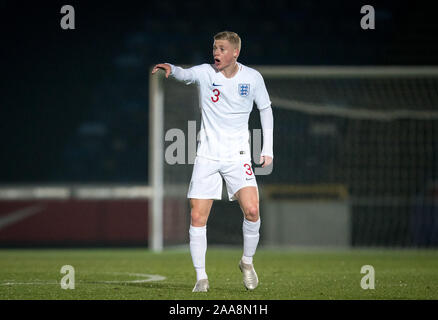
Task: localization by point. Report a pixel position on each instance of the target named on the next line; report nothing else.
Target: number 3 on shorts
(248, 169)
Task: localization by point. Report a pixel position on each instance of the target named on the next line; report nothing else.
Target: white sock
(251, 238)
(198, 249)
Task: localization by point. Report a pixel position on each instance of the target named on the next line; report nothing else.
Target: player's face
(224, 54)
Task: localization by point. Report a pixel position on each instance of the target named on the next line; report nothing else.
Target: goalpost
(356, 140)
(156, 149)
(172, 106)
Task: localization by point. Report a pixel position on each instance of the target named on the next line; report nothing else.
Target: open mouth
(216, 60)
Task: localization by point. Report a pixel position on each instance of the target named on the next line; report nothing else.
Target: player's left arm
(267, 121)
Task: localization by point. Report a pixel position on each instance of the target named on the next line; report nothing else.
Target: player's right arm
(187, 76)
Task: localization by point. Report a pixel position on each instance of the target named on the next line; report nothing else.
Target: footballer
(227, 91)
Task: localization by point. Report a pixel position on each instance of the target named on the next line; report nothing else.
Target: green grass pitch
(283, 274)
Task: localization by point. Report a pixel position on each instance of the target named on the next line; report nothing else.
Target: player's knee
(198, 218)
(252, 212)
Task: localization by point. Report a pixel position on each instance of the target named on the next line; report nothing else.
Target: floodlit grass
(283, 274)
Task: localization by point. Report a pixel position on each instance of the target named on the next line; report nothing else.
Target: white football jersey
(226, 104)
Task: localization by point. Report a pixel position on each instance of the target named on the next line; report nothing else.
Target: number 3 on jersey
(215, 98)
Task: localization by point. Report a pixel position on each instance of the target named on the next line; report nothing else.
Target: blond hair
(232, 37)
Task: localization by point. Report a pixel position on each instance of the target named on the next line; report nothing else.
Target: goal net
(355, 159)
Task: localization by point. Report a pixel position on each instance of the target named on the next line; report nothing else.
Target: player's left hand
(266, 160)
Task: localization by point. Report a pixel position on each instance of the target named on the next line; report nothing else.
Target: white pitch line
(27, 283)
(149, 278)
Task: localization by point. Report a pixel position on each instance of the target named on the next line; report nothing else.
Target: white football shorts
(206, 182)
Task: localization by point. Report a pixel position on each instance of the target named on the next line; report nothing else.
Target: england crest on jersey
(244, 89)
